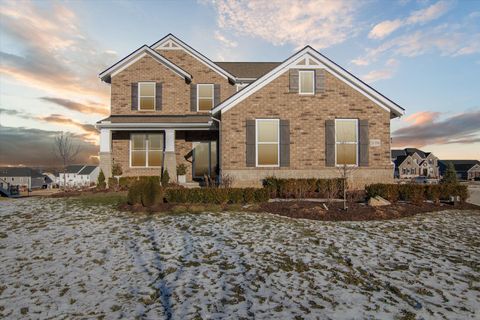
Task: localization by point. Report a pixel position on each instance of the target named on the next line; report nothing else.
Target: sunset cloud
(318, 23)
(426, 129)
(91, 107)
(34, 147)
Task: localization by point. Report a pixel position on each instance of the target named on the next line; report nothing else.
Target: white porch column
(170, 160)
(105, 154)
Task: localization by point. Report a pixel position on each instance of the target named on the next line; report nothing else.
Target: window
(267, 141)
(146, 96)
(204, 97)
(146, 150)
(306, 82)
(346, 141)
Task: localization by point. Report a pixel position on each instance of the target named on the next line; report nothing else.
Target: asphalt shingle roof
(87, 170)
(248, 69)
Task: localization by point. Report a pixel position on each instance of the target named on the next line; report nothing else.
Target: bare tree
(66, 150)
(346, 172)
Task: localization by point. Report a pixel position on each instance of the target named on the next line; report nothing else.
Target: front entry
(204, 159)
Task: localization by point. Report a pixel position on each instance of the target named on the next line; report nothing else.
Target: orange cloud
(422, 117)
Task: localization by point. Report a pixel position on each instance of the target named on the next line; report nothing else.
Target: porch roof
(157, 121)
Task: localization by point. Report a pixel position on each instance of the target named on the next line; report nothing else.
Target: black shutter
(330, 143)
(158, 96)
(293, 80)
(216, 95)
(284, 143)
(193, 97)
(363, 143)
(250, 144)
(319, 81)
(135, 96)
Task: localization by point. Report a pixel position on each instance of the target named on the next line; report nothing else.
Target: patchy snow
(61, 259)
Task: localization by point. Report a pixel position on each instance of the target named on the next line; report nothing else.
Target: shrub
(116, 170)
(146, 192)
(216, 195)
(112, 183)
(181, 169)
(417, 193)
(303, 188)
(165, 178)
(450, 176)
(101, 180)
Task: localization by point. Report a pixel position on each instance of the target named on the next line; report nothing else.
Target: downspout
(219, 148)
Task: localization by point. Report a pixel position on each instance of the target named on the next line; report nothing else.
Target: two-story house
(411, 163)
(303, 117)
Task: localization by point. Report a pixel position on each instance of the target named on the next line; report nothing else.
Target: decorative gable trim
(307, 57)
(170, 42)
(138, 54)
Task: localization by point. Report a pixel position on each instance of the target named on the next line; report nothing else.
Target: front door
(204, 159)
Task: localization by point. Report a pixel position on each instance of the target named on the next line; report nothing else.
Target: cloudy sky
(424, 55)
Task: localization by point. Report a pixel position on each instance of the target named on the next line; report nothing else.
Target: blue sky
(424, 55)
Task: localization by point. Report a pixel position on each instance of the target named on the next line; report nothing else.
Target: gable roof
(75, 168)
(399, 160)
(87, 170)
(195, 53)
(460, 165)
(248, 70)
(398, 152)
(411, 151)
(329, 65)
(135, 56)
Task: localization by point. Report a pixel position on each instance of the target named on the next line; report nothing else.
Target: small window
(146, 150)
(346, 141)
(268, 142)
(204, 97)
(306, 82)
(146, 95)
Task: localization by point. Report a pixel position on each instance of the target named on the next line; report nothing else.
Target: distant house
(23, 177)
(79, 176)
(466, 169)
(411, 163)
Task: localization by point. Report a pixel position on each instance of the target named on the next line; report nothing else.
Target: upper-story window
(306, 82)
(204, 97)
(146, 96)
(346, 141)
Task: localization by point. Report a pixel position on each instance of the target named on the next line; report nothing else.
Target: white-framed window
(346, 142)
(146, 96)
(267, 142)
(146, 149)
(204, 97)
(306, 82)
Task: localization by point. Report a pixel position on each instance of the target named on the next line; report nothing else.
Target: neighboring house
(23, 177)
(299, 118)
(79, 176)
(411, 163)
(466, 169)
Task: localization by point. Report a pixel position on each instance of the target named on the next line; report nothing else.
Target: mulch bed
(356, 211)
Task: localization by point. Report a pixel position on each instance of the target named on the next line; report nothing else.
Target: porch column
(105, 154)
(170, 160)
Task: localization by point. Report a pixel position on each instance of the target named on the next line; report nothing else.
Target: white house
(79, 176)
(23, 177)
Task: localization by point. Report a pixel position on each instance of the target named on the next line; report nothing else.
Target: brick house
(299, 118)
(411, 163)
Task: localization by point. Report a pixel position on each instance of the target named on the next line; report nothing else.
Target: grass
(97, 199)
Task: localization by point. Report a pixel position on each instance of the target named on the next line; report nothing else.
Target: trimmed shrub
(112, 183)
(303, 188)
(146, 192)
(216, 195)
(165, 178)
(101, 180)
(417, 193)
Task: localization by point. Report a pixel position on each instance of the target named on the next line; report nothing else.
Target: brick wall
(307, 115)
(176, 93)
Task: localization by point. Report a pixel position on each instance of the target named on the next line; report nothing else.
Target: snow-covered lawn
(61, 260)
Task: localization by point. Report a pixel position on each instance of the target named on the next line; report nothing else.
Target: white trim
(194, 53)
(257, 143)
(356, 143)
(300, 83)
(325, 63)
(154, 95)
(198, 95)
(146, 150)
(137, 55)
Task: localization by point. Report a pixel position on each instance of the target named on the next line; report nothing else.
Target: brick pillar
(170, 160)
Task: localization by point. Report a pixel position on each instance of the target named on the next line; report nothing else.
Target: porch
(150, 148)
